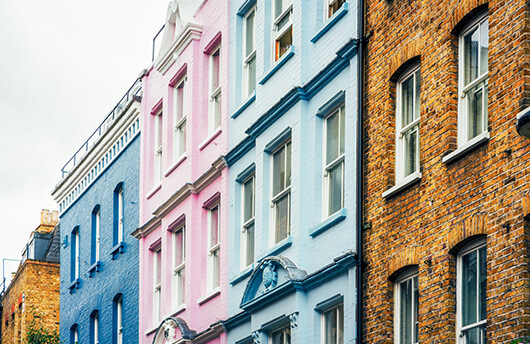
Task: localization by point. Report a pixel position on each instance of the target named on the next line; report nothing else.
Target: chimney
(47, 221)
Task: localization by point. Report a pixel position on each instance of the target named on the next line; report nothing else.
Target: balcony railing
(102, 128)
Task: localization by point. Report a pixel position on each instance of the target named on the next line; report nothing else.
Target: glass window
(214, 247)
(96, 230)
(471, 293)
(333, 325)
(75, 254)
(249, 54)
(406, 308)
(334, 164)
(118, 322)
(74, 334)
(473, 80)
(118, 214)
(179, 262)
(157, 285)
(281, 335)
(157, 137)
(247, 242)
(94, 336)
(179, 137)
(332, 7)
(282, 27)
(408, 124)
(281, 192)
(215, 91)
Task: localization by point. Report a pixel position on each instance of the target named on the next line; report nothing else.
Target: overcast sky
(64, 64)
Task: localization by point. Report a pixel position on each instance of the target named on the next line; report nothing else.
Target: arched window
(118, 214)
(406, 307)
(96, 230)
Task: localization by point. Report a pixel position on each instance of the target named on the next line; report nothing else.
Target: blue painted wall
(118, 273)
(291, 94)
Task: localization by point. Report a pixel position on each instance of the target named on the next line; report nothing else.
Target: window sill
(468, 146)
(178, 310)
(208, 297)
(242, 275)
(151, 330)
(175, 165)
(74, 285)
(328, 223)
(277, 65)
(154, 191)
(279, 247)
(212, 137)
(117, 249)
(330, 22)
(94, 268)
(243, 106)
(405, 183)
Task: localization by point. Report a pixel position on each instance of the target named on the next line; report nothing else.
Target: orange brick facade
(34, 290)
(481, 193)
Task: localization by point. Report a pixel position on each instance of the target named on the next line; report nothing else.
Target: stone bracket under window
(117, 249)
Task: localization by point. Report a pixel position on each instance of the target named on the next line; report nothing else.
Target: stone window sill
(74, 285)
(94, 268)
(330, 22)
(209, 140)
(154, 191)
(467, 147)
(242, 275)
(279, 247)
(328, 223)
(402, 185)
(175, 165)
(212, 294)
(117, 249)
(245, 104)
(277, 65)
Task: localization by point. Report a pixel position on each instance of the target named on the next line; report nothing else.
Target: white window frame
(464, 90)
(214, 251)
(249, 56)
(98, 233)
(179, 269)
(460, 330)
(248, 223)
(327, 6)
(340, 312)
(411, 274)
(284, 329)
(401, 131)
(277, 33)
(214, 118)
(119, 320)
(120, 215)
(157, 144)
(179, 119)
(339, 160)
(95, 328)
(286, 192)
(157, 286)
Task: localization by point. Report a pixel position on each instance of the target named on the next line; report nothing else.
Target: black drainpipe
(360, 174)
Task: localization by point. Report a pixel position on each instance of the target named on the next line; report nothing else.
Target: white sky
(64, 64)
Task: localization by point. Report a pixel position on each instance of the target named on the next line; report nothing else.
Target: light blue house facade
(292, 235)
(98, 202)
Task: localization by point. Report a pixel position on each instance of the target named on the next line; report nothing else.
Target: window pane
(179, 247)
(278, 173)
(250, 244)
(249, 44)
(332, 137)
(216, 268)
(473, 336)
(217, 111)
(334, 7)
(282, 218)
(215, 70)
(333, 325)
(411, 150)
(179, 101)
(484, 47)
(182, 139)
(416, 307)
(158, 134)
(482, 284)
(181, 283)
(335, 189)
(407, 101)
(475, 111)
(471, 46)
(248, 210)
(341, 131)
(158, 271)
(417, 95)
(278, 8)
(284, 42)
(251, 70)
(405, 289)
(469, 288)
(214, 226)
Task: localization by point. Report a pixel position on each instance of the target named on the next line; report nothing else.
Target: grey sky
(63, 65)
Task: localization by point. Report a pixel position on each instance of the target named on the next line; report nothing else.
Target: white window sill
(403, 184)
(153, 191)
(212, 137)
(465, 148)
(177, 310)
(209, 296)
(175, 165)
(151, 330)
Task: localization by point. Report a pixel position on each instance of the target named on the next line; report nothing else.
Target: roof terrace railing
(156, 42)
(102, 128)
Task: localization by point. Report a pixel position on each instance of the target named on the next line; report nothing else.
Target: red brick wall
(428, 222)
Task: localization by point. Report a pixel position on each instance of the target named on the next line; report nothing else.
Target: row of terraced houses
(316, 171)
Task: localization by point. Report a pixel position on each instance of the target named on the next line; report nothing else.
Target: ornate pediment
(173, 330)
(274, 274)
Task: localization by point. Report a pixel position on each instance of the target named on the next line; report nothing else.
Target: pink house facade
(183, 180)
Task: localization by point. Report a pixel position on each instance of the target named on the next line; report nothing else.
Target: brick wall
(34, 290)
(482, 192)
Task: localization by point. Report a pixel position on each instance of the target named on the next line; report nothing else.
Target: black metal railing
(102, 128)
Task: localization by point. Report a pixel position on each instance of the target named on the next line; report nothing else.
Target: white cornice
(189, 32)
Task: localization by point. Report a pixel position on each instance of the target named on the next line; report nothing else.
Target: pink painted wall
(213, 16)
